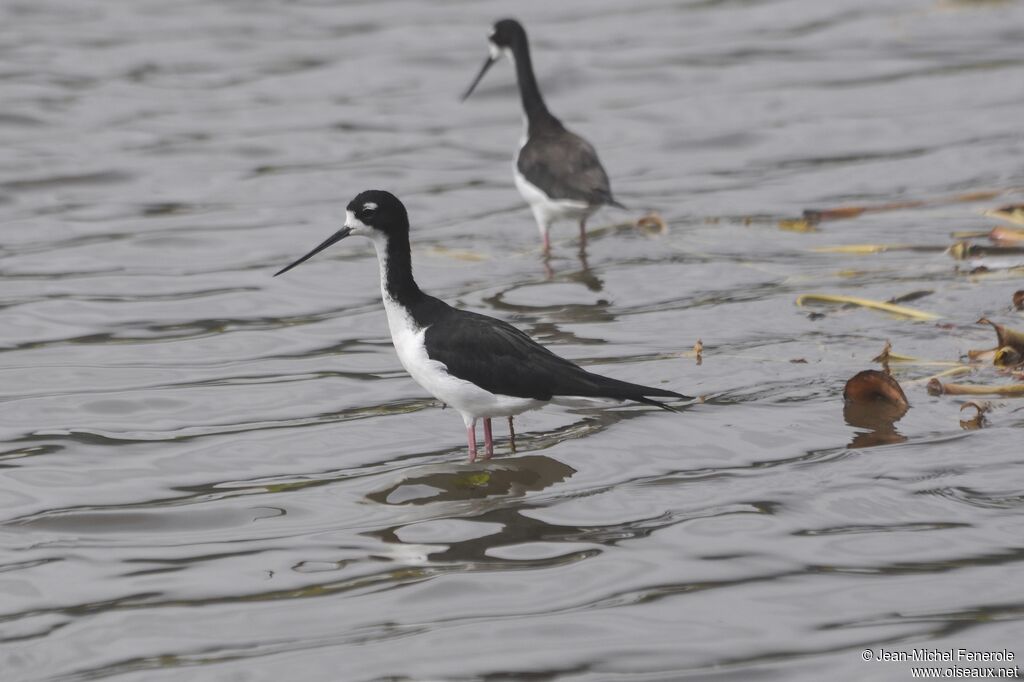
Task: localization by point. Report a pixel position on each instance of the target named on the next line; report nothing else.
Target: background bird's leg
(583, 234)
(488, 439)
(471, 438)
(512, 434)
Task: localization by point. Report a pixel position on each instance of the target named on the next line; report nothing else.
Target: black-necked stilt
(479, 365)
(556, 171)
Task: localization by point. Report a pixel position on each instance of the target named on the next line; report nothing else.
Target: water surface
(210, 474)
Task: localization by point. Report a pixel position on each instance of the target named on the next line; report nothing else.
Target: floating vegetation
(902, 311)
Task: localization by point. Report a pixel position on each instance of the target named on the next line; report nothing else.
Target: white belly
(471, 401)
(545, 209)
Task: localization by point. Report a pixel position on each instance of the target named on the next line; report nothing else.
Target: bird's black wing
(565, 166)
(501, 359)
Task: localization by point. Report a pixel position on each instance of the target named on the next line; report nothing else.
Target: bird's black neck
(396, 271)
(537, 114)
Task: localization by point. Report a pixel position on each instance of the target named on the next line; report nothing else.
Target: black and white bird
(480, 366)
(556, 171)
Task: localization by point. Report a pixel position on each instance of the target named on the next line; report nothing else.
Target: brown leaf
(1018, 299)
(1002, 235)
(874, 400)
(652, 223)
(1006, 336)
(873, 386)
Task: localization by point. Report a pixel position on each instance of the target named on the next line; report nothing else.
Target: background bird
(556, 171)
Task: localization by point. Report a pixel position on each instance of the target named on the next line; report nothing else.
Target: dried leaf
(873, 386)
(1013, 213)
(652, 223)
(798, 225)
(1018, 299)
(698, 350)
(458, 254)
(1006, 234)
(982, 406)
(959, 369)
(858, 249)
(874, 400)
(1006, 336)
(845, 212)
(867, 303)
(964, 250)
(840, 213)
(1007, 356)
(936, 387)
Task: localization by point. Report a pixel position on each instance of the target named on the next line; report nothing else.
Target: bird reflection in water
(499, 478)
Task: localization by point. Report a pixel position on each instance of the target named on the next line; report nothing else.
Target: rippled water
(207, 473)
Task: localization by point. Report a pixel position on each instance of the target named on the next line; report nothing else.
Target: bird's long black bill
(333, 239)
(487, 65)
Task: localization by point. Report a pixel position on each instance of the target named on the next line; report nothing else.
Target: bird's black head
(506, 37)
(374, 213)
(507, 34)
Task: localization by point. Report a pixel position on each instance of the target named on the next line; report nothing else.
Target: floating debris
(875, 401)
(651, 223)
(900, 310)
(847, 212)
(798, 225)
(964, 250)
(698, 350)
(936, 387)
(874, 386)
(1018, 299)
(978, 420)
(1009, 349)
(1013, 213)
(458, 254)
(867, 249)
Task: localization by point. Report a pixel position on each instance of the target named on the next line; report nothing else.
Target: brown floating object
(840, 213)
(873, 386)
(1018, 299)
(1006, 234)
(873, 400)
(652, 223)
(698, 350)
(844, 212)
(799, 225)
(978, 420)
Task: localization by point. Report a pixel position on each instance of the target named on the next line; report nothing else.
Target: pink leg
(471, 439)
(512, 433)
(488, 439)
(547, 242)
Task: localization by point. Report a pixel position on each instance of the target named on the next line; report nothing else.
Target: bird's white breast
(471, 401)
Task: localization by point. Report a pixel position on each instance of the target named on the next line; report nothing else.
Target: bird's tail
(597, 386)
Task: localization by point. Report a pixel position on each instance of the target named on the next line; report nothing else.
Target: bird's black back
(501, 359)
(564, 166)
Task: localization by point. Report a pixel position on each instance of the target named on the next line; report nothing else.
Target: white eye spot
(496, 51)
(355, 224)
(370, 206)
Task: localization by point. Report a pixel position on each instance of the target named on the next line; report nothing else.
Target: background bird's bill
(334, 238)
(488, 63)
